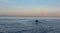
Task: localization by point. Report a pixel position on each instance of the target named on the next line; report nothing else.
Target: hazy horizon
(18, 8)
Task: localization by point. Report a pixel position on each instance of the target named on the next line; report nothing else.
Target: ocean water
(28, 25)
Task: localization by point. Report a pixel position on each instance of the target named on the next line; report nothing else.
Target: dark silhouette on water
(36, 21)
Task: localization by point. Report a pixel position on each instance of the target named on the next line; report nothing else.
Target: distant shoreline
(29, 16)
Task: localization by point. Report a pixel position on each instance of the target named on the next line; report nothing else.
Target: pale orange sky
(30, 7)
(32, 12)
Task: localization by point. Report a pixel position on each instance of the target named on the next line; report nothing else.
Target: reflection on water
(29, 26)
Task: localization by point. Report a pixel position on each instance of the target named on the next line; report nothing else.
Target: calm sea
(28, 25)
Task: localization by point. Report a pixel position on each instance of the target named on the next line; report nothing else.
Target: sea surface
(28, 25)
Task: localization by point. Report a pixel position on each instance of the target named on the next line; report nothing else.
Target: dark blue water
(28, 25)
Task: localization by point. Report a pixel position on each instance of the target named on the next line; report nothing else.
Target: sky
(30, 8)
